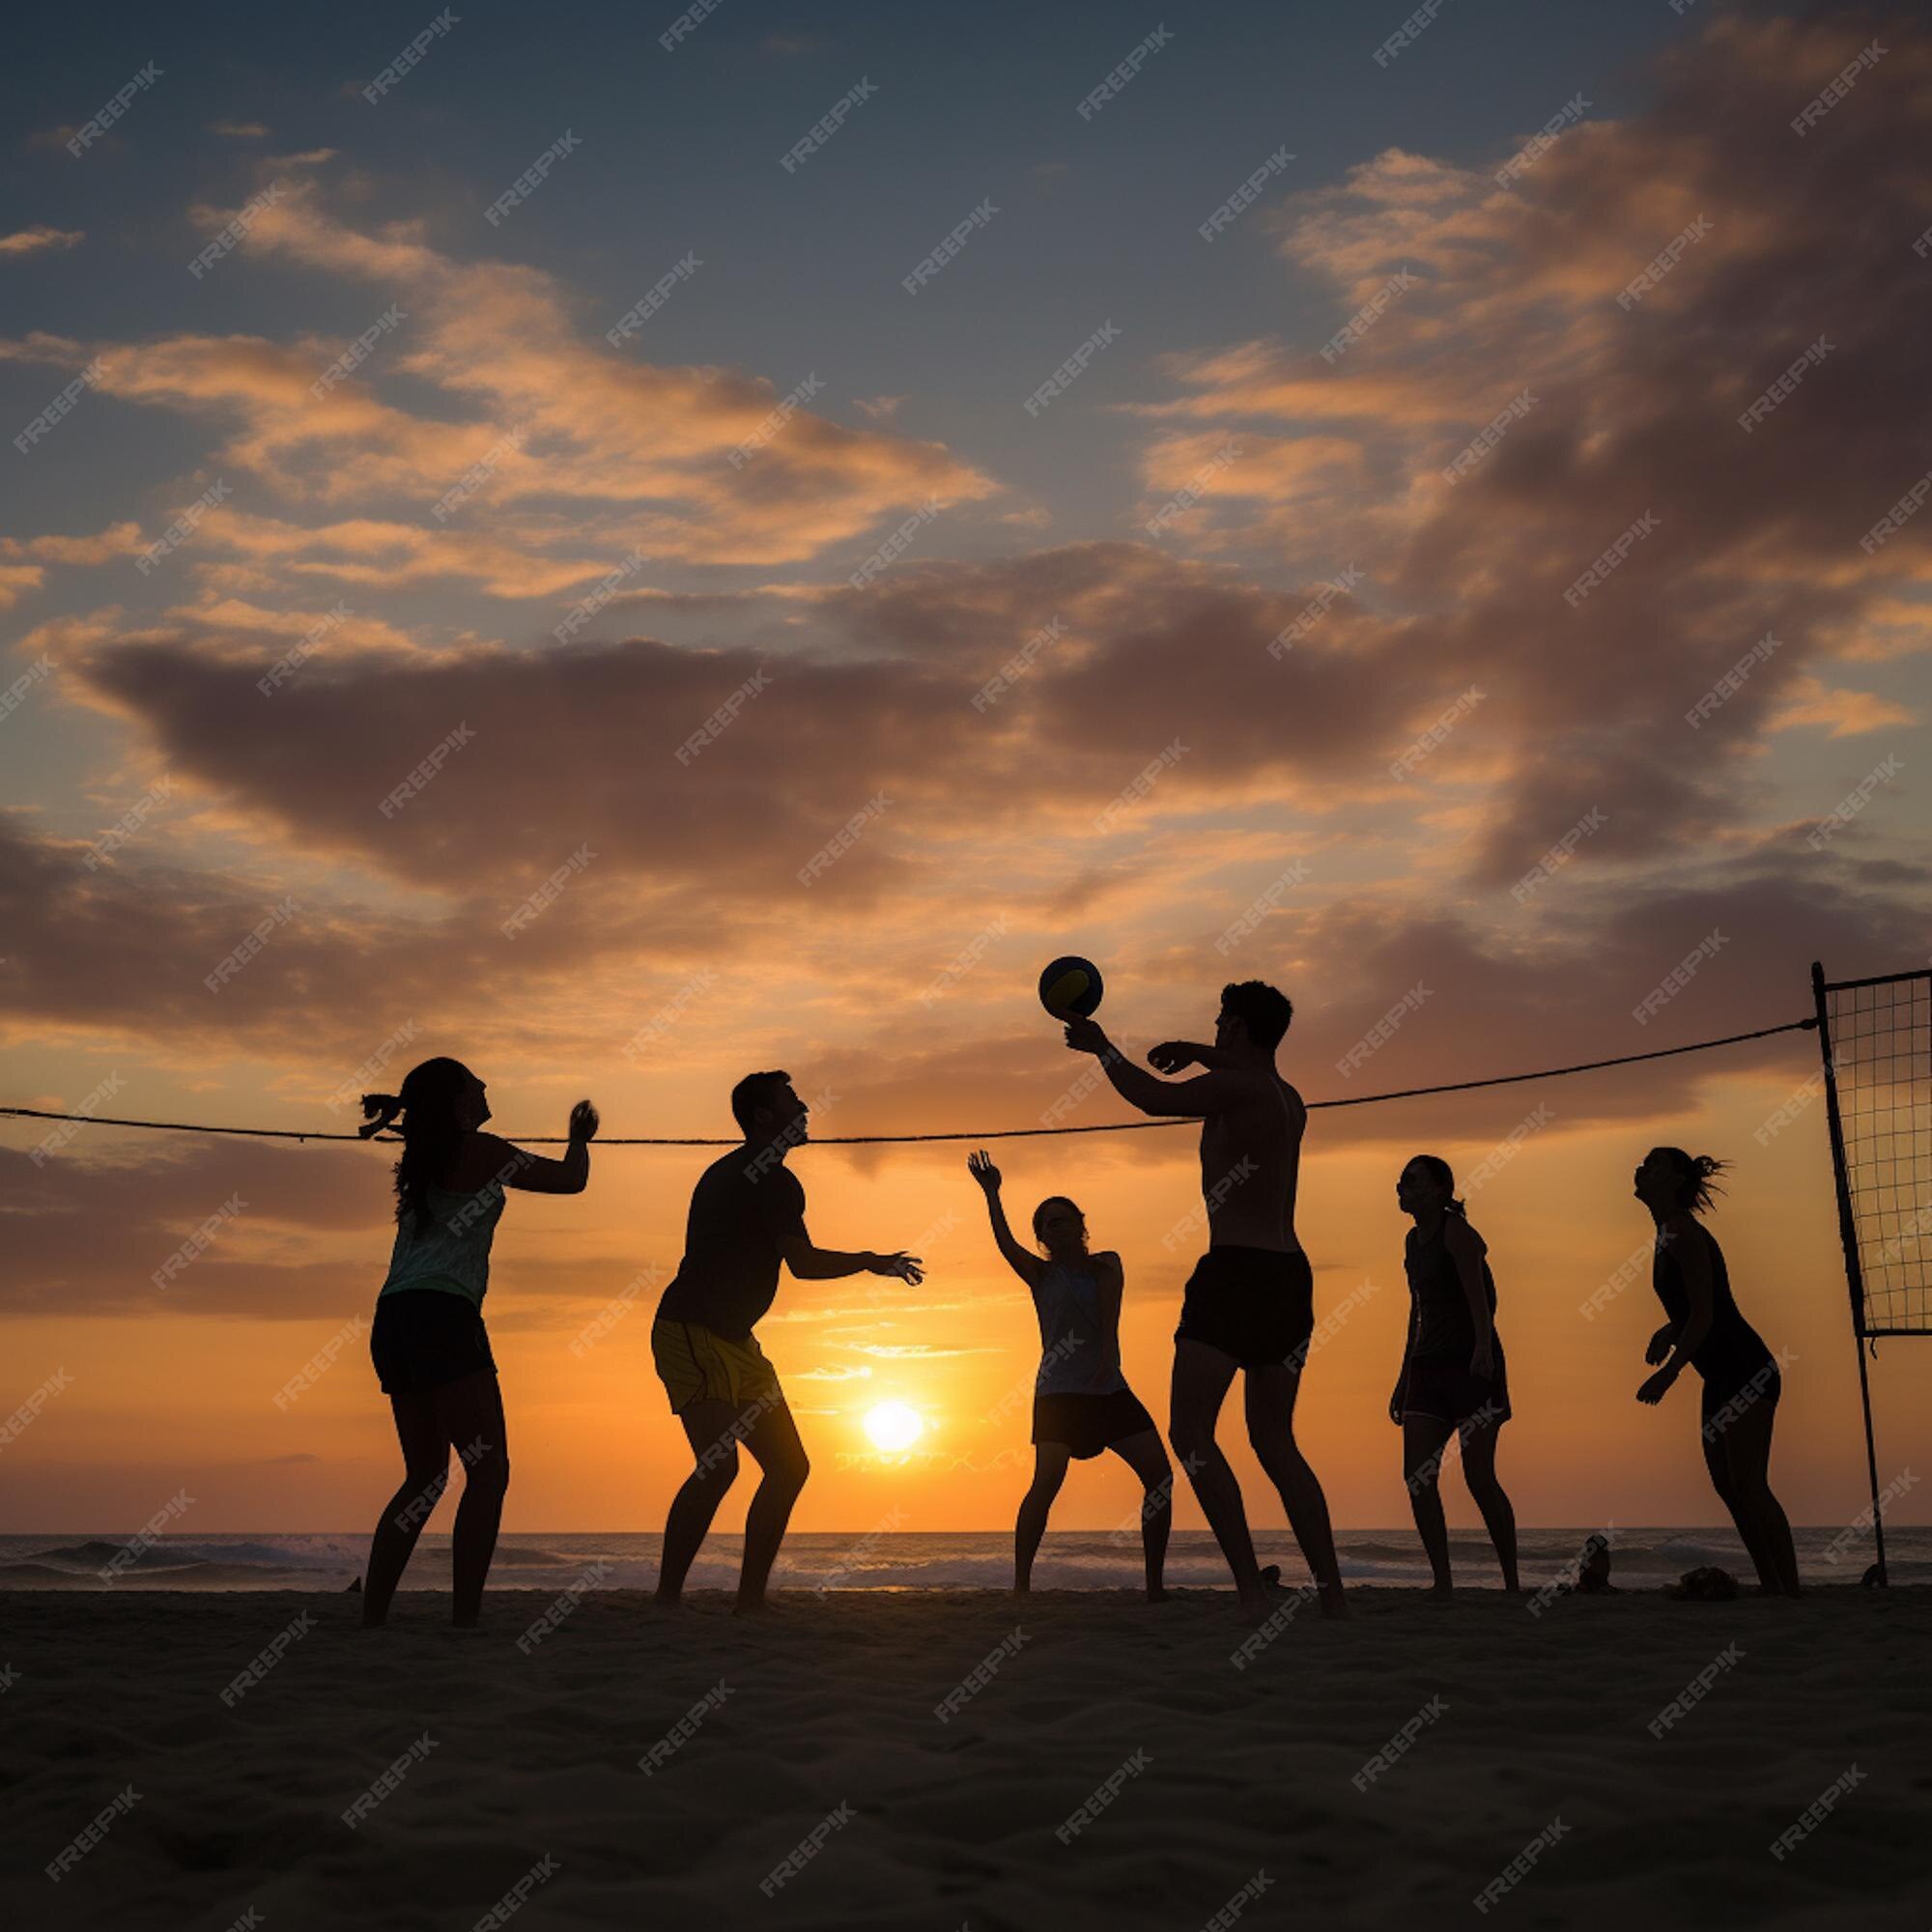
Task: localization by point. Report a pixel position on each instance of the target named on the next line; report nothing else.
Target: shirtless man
(747, 1217)
(1249, 1303)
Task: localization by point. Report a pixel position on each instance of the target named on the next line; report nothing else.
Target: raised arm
(1026, 1265)
(1213, 1092)
(493, 1159)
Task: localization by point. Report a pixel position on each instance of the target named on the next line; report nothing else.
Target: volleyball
(1070, 985)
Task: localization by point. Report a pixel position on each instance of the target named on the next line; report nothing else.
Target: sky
(633, 549)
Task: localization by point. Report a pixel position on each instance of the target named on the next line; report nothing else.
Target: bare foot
(1333, 1603)
(1439, 1591)
(1157, 1594)
(752, 1606)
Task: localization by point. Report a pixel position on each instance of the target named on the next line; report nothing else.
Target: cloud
(700, 465)
(38, 240)
(1468, 296)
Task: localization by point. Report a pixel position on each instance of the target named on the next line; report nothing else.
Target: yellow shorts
(695, 1365)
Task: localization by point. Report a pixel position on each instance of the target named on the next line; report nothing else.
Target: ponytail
(1695, 1173)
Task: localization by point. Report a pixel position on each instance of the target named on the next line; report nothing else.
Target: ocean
(890, 1559)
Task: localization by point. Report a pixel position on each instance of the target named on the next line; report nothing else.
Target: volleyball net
(1876, 1037)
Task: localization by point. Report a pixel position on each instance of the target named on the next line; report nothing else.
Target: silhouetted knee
(422, 1490)
(489, 1475)
(717, 1469)
(788, 1477)
(1192, 1444)
(1278, 1458)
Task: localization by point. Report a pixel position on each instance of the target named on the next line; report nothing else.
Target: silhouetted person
(1082, 1404)
(1249, 1305)
(1593, 1573)
(428, 1341)
(1707, 1331)
(746, 1216)
(1451, 1380)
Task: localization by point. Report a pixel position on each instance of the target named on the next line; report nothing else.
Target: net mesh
(1881, 1053)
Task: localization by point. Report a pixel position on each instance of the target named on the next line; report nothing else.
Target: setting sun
(894, 1425)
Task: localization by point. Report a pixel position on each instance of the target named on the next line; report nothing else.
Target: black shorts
(1255, 1304)
(1447, 1392)
(1087, 1424)
(425, 1337)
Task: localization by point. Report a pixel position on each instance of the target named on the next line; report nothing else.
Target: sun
(894, 1425)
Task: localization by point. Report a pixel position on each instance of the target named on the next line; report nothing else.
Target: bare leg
(425, 1473)
(1718, 1461)
(1147, 1460)
(773, 1441)
(712, 1428)
(471, 1414)
(1200, 1378)
(1479, 1471)
(1424, 1440)
(1049, 1471)
(1747, 1449)
(1270, 1405)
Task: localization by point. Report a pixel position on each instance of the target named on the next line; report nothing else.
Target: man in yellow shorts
(747, 1217)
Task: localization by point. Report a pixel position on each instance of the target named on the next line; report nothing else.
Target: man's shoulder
(1278, 1088)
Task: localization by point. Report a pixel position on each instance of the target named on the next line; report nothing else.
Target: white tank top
(453, 1251)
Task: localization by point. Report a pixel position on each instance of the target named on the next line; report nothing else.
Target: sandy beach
(1100, 1763)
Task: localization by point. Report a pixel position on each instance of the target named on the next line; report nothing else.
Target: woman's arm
(491, 1158)
(1026, 1265)
(1693, 1265)
(1109, 1280)
(1467, 1248)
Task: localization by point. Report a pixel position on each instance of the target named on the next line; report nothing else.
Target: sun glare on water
(894, 1425)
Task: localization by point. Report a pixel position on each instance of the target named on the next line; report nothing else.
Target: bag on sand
(1706, 1585)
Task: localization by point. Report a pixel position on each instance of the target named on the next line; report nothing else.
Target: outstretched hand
(907, 1267)
(583, 1122)
(981, 1166)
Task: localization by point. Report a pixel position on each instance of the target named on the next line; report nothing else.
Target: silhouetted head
(1254, 1014)
(1669, 1181)
(440, 1101)
(767, 1110)
(1427, 1185)
(1060, 1228)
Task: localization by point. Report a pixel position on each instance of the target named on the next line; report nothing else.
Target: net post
(1848, 1240)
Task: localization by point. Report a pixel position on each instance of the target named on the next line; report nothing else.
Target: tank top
(452, 1252)
(1440, 1326)
(1073, 1358)
(1733, 1347)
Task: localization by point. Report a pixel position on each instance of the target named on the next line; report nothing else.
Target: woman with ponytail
(1453, 1380)
(428, 1342)
(1707, 1331)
